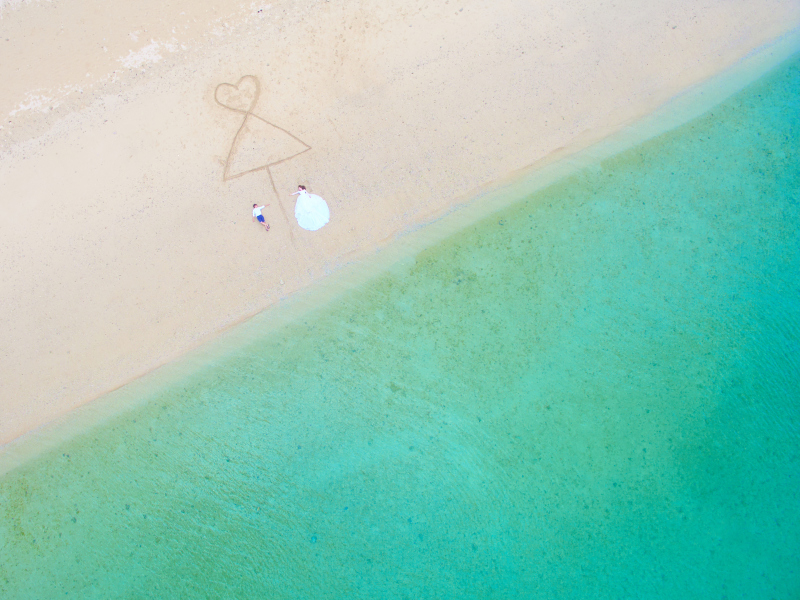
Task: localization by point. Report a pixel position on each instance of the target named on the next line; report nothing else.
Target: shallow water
(591, 394)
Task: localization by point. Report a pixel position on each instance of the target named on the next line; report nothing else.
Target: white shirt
(257, 211)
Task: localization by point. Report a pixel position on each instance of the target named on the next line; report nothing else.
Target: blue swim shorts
(260, 218)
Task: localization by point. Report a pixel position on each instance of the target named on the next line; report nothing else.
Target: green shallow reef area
(594, 393)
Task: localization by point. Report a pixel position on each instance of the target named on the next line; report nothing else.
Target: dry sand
(121, 246)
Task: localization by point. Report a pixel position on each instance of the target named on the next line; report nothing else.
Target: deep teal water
(594, 393)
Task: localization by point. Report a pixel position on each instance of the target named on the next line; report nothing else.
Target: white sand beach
(126, 234)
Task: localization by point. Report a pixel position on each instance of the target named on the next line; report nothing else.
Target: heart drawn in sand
(241, 97)
(258, 144)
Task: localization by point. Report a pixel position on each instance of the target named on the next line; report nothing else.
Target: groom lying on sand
(257, 216)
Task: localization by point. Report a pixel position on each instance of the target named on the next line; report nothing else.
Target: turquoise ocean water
(594, 393)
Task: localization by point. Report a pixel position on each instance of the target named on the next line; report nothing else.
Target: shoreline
(398, 254)
(186, 321)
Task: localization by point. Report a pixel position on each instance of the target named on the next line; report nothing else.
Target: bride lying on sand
(311, 211)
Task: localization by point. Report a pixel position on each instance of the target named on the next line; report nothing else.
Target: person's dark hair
(254, 205)
(302, 187)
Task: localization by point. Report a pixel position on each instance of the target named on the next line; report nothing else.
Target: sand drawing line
(242, 98)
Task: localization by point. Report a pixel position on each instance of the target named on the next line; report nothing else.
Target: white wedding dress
(311, 211)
